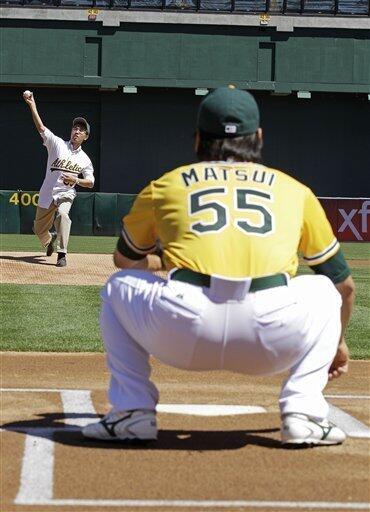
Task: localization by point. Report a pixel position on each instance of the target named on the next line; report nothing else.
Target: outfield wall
(101, 213)
(183, 54)
(322, 141)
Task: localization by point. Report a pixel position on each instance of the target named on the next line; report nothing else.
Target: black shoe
(50, 246)
(61, 261)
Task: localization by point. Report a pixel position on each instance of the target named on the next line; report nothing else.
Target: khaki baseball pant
(57, 213)
(294, 327)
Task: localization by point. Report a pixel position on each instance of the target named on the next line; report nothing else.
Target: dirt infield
(82, 269)
(36, 268)
(210, 462)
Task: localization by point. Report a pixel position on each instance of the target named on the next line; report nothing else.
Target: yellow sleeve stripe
(134, 247)
(324, 255)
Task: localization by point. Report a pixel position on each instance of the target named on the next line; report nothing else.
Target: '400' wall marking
(24, 198)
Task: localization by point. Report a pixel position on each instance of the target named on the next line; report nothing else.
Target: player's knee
(63, 217)
(38, 228)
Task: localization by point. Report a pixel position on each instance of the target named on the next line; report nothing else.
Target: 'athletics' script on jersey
(65, 165)
(225, 174)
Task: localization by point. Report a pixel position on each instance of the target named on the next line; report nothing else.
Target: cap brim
(81, 120)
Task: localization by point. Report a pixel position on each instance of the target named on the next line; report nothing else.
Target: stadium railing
(293, 7)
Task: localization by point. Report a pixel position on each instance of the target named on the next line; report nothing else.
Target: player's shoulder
(172, 174)
(85, 156)
(49, 134)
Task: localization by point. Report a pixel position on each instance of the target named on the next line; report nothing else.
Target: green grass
(65, 318)
(106, 245)
(79, 244)
(358, 333)
(52, 318)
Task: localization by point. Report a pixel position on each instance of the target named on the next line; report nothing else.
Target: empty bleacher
(286, 7)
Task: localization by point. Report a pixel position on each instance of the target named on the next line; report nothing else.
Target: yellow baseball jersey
(229, 219)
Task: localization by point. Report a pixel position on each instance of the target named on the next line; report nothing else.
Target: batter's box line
(212, 504)
(36, 487)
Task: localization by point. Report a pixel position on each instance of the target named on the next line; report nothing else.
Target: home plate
(209, 409)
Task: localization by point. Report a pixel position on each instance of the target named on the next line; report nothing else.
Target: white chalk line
(351, 426)
(37, 473)
(314, 505)
(77, 402)
(40, 390)
(355, 397)
(60, 390)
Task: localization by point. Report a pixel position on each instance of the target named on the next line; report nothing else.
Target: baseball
(27, 94)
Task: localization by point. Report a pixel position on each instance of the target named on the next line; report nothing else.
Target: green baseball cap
(228, 112)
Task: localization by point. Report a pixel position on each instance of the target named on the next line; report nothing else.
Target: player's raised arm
(30, 100)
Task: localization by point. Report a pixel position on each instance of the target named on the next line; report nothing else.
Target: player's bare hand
(69, 179)
(28, 98)
(340, 362)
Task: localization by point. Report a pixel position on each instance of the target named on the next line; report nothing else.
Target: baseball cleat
(50, 246)
(62, 260)
(124, 426)
(301, 430)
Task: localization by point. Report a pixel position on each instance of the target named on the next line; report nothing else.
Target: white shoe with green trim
(299, 429)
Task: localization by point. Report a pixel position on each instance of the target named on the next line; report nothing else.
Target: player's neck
(75, 145)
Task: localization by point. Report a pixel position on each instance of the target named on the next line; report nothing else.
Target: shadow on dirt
(51, 426)
(35, 259)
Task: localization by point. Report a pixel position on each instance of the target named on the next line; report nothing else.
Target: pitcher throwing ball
(230, 229)
(66, 162)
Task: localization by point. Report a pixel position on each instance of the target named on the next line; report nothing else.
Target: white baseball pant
(294, 327)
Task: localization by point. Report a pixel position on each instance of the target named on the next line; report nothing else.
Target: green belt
(258, 283)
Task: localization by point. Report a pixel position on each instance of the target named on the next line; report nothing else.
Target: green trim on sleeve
(125, 250)
(335, 268)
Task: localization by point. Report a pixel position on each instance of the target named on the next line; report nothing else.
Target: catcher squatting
(231, 230)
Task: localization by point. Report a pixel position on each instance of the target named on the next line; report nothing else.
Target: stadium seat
(76, 3)
(47, 3)
(293, 6)
(215, 5)
(120, 4)
(353, 7)
(103, 4)
(181, 4)
(276, 6)
(250, 6)
(146, 4)
(320, 7)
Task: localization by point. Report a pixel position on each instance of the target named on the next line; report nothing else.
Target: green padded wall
(27, 209)
(82, 214)
(9, 212)
(91, 213)
(124, 203)
(105, 214)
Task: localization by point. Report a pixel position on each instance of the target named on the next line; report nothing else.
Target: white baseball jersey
(62, 158)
